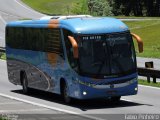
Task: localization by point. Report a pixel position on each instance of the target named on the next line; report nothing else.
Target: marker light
(84, 93)
(136, 89)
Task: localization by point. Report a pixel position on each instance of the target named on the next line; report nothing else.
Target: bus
(81, 57)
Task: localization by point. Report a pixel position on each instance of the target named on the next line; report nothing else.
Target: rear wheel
(25, 84)
(65, 94)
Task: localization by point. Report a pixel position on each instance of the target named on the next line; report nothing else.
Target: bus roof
(80, 25)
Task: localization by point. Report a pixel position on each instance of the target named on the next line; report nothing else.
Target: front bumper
(94, 92)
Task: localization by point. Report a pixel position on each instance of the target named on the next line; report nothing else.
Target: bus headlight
(84, 93)
(136, 89)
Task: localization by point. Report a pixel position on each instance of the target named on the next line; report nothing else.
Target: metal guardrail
(142, 71)
(149, 73)
(2, 49)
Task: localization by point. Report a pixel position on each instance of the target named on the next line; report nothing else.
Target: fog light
(84, 93)
(136, 89)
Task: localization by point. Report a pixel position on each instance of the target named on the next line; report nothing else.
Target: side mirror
(74, 46)
(139, 41)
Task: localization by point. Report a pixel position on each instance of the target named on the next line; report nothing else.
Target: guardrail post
(154, 79)
(149, 65)
(148, 79)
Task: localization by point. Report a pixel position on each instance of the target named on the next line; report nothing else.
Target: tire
(25, 84)
(115, 99)
(65, 95)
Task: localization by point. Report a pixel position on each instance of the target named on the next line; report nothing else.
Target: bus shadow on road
(84, 105)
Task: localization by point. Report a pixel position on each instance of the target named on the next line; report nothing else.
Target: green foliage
(136, 7)
(101, 8)
(53, 7)
(1, 118)
(144, 82)
(148, 30)
(80, 7)
(3, 56)
(93, 7)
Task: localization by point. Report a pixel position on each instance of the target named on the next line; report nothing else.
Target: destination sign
(104, 37)
(95, 37)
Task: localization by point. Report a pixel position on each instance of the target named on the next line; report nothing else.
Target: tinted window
(106, 55)
(69, 50)
(36, 39)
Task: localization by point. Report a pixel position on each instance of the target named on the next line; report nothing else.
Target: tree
(118, 7)
(100, 7)
(137, 7)
(80, 7)
(149, 7)
(93, 7)
(116, 4)
(157, 8)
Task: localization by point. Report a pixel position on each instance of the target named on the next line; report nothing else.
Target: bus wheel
(65, 95)
(115, 99)
(25, 84)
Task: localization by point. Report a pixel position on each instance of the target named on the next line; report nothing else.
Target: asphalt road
(146, 101)
(11, 10)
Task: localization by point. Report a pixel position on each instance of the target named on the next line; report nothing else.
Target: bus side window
(8, 36)
(69, 49)
(53, 42)
(14, 37)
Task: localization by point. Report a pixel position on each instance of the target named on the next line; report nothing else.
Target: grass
(1, 118)
(3, 56)
(135, 17)
(54, 7)
(148, 30)
(144, 82)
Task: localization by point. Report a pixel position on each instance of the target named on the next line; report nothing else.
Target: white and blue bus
(80, 57)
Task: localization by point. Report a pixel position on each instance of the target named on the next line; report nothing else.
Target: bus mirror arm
(74, 46)
(139, 41)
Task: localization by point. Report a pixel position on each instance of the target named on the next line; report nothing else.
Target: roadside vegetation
(1, 118)
(3, 56)
(63, 7)
(148, 30)
(144, 82)
(53, 7)
(98, 7)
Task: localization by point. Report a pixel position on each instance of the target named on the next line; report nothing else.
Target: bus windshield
(107, 55)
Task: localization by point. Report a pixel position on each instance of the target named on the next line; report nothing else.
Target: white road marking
(149, 87)
(26, 7)
(8, 14)
(50, 107)
(3, 20)
(144, 26)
